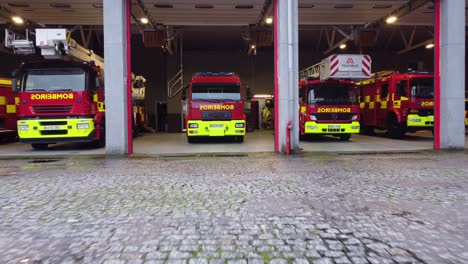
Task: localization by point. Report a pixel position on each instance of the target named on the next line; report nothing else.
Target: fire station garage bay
(238, 76)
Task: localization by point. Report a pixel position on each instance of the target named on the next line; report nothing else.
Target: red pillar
(129, 78)
(437, 75)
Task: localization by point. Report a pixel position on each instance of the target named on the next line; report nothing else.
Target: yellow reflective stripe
(16, 100)
(404, 98)
(371, 105)
(377, 98)
(397, 104)
(367, 99)
(5, 82)
(11, 109)
(362, 105)
(383, 105)
(2, 100)
(95, 97)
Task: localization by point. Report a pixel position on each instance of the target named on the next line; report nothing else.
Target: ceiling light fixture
(343, 46)
(18, 20)
(253, 46)
(269, 20)
(391, 19)
(430, 46)
(144, 20)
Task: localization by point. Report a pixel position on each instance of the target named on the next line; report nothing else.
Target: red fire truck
(397, 102)
(215, 106)
(328, 96)
(59, 100)
(8, 103)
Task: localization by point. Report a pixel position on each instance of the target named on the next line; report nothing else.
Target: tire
(101, 142)
(395, 130)
(345, 137)
(40, 146)
(239, 139)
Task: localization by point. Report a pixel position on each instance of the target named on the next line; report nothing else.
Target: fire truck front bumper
(420, 121)
(200, 128)
(56, 130)
(312, 127)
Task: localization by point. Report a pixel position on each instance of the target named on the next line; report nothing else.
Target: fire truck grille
(425, 112)
(333, 116)
(51, 109)
(216, 114)
(54, 132)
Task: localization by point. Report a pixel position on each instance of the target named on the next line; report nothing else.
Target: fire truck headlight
(23, 128)
(312, 127)
(313, 118)
(193, 125)
(355, 117)
(415, 120)
(239, 125)
(354, 127)
(82, 126)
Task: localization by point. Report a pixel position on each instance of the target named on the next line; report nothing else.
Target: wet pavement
(256, 208)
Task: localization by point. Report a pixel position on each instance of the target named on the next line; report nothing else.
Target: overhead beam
(267, 10)
(400, 12)
(410, 48)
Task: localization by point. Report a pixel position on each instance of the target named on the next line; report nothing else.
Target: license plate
(216, 125)
(51, 127)
(333, 127)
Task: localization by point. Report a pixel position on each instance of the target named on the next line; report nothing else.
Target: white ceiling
(224, 12)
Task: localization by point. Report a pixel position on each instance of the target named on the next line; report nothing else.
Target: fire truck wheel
(395, 130)
(345, 137)
(101, 142)
(239, 139)
(40, 146)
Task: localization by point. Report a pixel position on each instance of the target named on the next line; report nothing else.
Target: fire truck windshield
(216, 92)
(51, 80)
(422, 88)
(332, 94)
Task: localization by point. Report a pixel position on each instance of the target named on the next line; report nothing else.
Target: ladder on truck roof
(340, 66)
(54, 43)
(311, 72)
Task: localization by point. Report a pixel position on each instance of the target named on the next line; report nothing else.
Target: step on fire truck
(8, 105)
(62, 96)
(397, 102)
(215, 106)
(328, 96)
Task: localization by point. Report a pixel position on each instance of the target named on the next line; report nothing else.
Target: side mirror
(183, 96)
(14, 85)
(97, 82)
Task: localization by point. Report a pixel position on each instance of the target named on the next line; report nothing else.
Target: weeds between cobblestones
(399, 208)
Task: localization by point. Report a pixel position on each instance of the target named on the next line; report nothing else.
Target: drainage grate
(43, 161)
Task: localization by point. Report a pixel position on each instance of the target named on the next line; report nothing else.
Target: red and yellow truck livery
(8, 104)
(60, 102)
(215, 106)
(397, 102)
(328, 107)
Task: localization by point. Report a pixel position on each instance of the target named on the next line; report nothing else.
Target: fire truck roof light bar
(199, 74)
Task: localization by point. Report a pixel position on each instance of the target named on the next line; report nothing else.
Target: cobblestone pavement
(318, 208)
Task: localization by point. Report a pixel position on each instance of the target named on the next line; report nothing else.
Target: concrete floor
(259, 141)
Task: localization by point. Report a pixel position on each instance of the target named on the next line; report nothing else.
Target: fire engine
(61, 97)
(8, 104)
(215, 106)
(397, 102)
(138, 104)
(328, 96)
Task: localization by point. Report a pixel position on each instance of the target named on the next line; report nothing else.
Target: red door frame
(437, 74)
(129, 78)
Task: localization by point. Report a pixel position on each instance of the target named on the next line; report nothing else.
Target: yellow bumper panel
(312, 127)
(420, 121)
(55, 128)
(215, 128)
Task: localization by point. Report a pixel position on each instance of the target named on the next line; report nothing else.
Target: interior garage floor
(259, 141)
